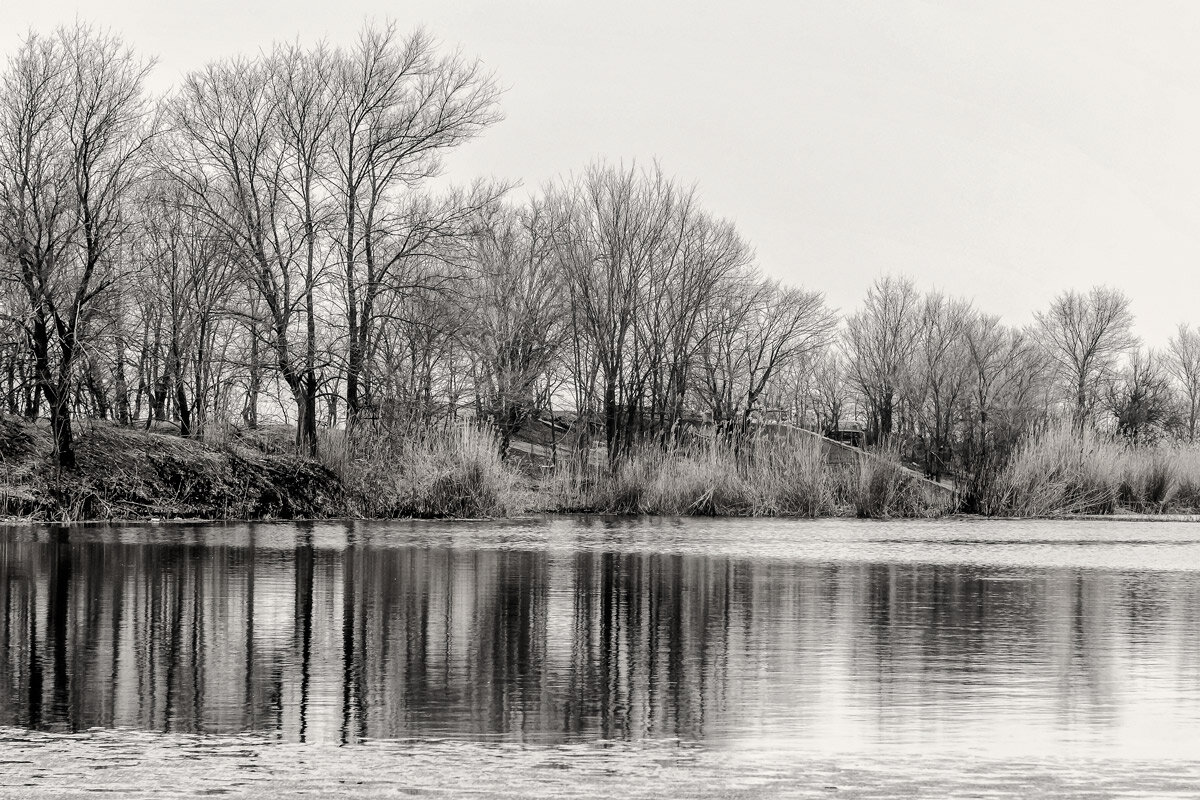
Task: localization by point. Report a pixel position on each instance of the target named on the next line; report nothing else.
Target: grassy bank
(136, 474)
(1060, 472)
(129, 473)
(461, 474)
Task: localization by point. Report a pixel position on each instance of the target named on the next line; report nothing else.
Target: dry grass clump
(792, 478)
(1063, 471)
(1149, 480)
(1160, 479)
(789, 477)
(1186, 463)
(449, 473)
(703, 482)
(880, 489)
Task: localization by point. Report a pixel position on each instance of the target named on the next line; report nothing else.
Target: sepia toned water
(585, 657)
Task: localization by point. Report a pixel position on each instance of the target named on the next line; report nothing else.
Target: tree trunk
(610, 417)
(254, 381)
(60, 428)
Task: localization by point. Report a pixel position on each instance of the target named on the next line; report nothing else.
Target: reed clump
(447, 473)
(1149, 480)
(1062, 471)
(1186, 462)
(1065, 471)
(760, 477)
(880, 488)
(1163, 479)
(792, 478)
(701, 482)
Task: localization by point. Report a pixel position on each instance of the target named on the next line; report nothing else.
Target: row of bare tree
(940, 380)
(267, 240)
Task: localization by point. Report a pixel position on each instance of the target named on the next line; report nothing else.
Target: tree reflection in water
(368, 641)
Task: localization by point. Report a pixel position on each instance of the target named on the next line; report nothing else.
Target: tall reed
(702, 481)
(1062, 471)
(453, 473)
(1186, 462)
(786, 476)
(791, 477)
(882, 488)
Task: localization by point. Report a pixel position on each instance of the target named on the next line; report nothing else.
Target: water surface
(694, 657)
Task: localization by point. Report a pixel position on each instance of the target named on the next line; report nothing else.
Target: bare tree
(302, 85)
(831, 391)
(245, 162)
(1183, 363)
(1004, 372)
(16, 376)
(517, 318)
(1085, 335)
(939, 376)
(761, 328)
(611, 227)
(421, 369)
(400, 106)
(73, 126)
(184, 286)
(697, 258)
(1140, 399)
(880, 340)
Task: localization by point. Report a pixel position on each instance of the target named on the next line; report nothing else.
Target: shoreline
(148, 477)
(8, 521)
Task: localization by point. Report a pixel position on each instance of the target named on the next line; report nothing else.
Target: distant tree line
(266, 241)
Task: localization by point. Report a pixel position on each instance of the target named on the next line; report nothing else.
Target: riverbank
(134, 473)
(129, 473)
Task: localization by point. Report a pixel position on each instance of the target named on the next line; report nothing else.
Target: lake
(588, 657)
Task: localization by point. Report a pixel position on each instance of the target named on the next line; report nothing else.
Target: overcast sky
(1001, 151)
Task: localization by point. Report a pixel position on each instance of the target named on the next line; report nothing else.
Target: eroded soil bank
(126, 473)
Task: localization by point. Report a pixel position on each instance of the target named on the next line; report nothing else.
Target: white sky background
(1001, 151)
